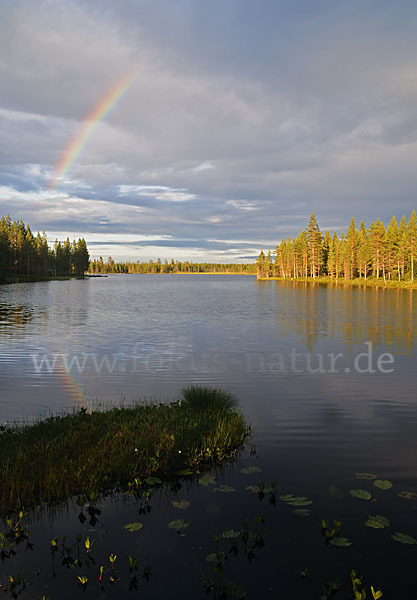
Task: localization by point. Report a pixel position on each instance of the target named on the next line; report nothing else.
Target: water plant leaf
(133, 526)
(207, 479)
(178, 524)
(365, 476)
(250, 470)
(377, 522)
(403, 538)
(253, 488)
(152, 480)
(180, 504)
(340, 542)
(296, 500)
(336, 492)
(185, 472)
(230, 534)
(287, 497)
(215, 557)
(301, 502)
(361, 494)
(224, 488)
(383, 484)
(301, 512)
(408, 495)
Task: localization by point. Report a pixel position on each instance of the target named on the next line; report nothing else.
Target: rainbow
(99, 112)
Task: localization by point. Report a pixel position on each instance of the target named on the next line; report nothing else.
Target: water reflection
(352, 314)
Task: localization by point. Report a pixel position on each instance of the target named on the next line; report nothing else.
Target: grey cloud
(295, 106)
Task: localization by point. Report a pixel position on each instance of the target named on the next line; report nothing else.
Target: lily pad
(224, 488)
(408, 495)
(336, 492)
(230, 534)
(215, 557)
(252, 488)
(133, 526)
(403, 538)
(207, 479)
(340, 542)
(178, 524)
(152, 480)
(180, 504)
(383, 484)
(301, 502)
(301, 512)
(250, 470)
(365, 476)
(296, 500)
(377, 522)
(185, 472)
(361, 494)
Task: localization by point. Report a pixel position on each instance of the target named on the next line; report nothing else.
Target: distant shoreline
(180, 273)
(36, 279)
(349, 282)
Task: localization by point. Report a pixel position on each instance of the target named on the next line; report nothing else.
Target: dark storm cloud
(244, 118)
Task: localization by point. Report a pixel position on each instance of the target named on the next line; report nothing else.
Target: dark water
(318, 419)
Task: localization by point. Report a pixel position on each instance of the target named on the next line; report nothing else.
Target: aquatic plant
(88, 454)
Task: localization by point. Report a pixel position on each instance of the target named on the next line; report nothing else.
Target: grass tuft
(205, 398)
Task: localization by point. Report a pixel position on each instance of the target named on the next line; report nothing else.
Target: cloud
(244, 117)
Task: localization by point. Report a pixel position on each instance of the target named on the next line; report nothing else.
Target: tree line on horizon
(377, 251)
(22, 253)
(110, 266)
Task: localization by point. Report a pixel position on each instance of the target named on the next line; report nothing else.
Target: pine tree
(412, 242)
(314, 246)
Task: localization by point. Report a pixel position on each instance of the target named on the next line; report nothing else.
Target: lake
(325, 375)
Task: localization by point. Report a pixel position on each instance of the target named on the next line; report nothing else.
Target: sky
(239, 120)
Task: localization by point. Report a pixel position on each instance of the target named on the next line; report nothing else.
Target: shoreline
(37, 278)
(380, 283)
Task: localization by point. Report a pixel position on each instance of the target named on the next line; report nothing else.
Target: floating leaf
(224, 488)
(133, 526)
(383, 484)
(178, 524)
(230, 534)
(377, 522)
(207, 479)
(336, 492)
(180, 503)
(403, 538)
(215, 557)
(301, 512)
(296, 500)
(408, 495)
(287, 497)
(152, 480)
(253, 488)
(365, 476)
(340, 542)
(185, 472)
(361, 494)
(250, 470)
(301, 502)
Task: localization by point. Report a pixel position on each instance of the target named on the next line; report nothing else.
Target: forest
(378, 252)
(110, 266)
(24, 254)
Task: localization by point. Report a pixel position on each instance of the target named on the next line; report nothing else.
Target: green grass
(98, 452)
(370, 282)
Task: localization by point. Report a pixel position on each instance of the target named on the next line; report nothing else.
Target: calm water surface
(316, 422)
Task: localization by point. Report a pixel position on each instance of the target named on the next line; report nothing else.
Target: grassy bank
(81, 453)
(370, 282)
